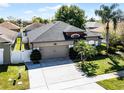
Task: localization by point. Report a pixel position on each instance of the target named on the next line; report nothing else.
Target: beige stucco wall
(92, 38)
(37, 45)
(7, 57)
(54, 49)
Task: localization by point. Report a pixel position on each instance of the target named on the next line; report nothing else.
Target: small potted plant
(35, 56)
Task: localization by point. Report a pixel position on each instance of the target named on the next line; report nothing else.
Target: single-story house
(7, 38)
(53, 39)
(92, 25)
(94, 38)
(10, 26)
(32, 26)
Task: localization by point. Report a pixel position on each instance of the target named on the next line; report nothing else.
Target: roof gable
(33, 26)
(33, 34)
(7, 34)
(9, 25)
(55, 33)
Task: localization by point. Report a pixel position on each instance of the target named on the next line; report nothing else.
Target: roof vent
(75, 36)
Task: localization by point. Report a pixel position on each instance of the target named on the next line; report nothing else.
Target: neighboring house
(7, 38)
(92, 25)
(53, 39)
(93, 37)
(10, 26)
(32, 26)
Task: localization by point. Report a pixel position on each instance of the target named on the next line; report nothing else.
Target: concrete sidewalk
(86, 81)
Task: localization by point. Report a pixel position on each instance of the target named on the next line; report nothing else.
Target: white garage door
(54, 52)
(1, 55)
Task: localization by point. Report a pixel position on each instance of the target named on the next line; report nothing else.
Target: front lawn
(105, 64)
(11, 72)
(102, 63)
(112, 84)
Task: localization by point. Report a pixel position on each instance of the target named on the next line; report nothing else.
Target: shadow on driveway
(55, 62)
(48, 63)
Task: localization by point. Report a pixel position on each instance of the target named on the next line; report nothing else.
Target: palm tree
(79, 47)
(84, 50)
(107, 14)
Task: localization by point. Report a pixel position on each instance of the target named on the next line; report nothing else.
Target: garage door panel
(54, 52)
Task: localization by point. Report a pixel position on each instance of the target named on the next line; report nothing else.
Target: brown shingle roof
(4, 39)
(7, 35)
(10, 26)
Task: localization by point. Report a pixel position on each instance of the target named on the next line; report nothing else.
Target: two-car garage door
(54, 51)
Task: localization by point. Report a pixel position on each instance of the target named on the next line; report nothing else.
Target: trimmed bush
(35, 56)
(89, 68)
(73, 54)
(101, 50)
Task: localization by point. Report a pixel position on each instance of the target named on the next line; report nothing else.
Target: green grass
(120, 60)
(112, 84)
(18, 46)
(12, 71)
(106, 65)
(103, 65)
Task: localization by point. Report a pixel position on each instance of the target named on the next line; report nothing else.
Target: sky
(26, 11)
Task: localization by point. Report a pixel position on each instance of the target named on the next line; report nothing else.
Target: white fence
(20, 56)
(1, 55)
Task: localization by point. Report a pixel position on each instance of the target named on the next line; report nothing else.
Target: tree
(72, 15)
(19, 22)
(37, 19)
(12, 19)
(84, 49)
(107, 14)
(25, 23)
(120, 15)
(92, 19)
(1, 20)
(114, 39)
(45, 21)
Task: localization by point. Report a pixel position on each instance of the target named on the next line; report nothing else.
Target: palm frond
(113, 6)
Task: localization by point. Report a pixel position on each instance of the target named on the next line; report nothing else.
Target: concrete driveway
(57, 73)
(59, 70)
